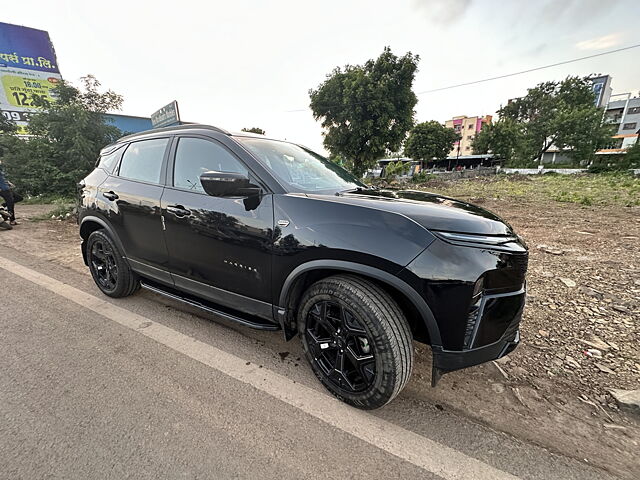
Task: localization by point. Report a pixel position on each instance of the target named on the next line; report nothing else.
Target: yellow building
(468, 128)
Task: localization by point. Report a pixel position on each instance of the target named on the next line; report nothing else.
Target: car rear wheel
(356, 339)
(108, 267)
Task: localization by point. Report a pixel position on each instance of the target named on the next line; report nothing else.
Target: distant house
(468, 128)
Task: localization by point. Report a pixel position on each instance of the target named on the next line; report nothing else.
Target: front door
(132, 197)
(219, 248)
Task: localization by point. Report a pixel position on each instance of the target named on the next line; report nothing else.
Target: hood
(432, 211)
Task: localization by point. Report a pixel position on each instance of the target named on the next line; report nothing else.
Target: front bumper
(508, 324)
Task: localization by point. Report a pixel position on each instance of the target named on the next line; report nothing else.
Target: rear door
(219, 247)
(133, 195)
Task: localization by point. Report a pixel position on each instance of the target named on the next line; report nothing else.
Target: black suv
(271, 235)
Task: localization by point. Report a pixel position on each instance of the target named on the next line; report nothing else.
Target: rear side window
(143, 160)
(194, 156)
(108, 161)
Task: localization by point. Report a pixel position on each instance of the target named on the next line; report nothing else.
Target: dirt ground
(580, 331)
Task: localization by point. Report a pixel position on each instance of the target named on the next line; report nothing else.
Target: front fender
(367, 271)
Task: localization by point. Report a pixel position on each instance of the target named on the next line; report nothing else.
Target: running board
(202, 306)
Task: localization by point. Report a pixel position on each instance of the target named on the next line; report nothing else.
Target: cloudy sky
(250, 63)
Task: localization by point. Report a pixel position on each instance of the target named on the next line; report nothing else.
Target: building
(468, 128)
(623, 112)
(129, 124)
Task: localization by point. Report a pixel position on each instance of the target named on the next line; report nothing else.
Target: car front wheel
(356, 339)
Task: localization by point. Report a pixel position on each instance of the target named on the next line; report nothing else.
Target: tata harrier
(271, 235)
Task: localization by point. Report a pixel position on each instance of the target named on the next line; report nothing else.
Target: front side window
(143, 160)
(194, 156)
(300, 169)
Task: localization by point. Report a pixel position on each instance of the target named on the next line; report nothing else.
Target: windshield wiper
(349, 190)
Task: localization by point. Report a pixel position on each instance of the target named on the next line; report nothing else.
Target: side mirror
(228, 184)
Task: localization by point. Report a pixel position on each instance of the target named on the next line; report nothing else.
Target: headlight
(471, 238)
(499, 242)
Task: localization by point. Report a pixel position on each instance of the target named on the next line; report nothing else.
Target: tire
(355, 308)
(109, 269)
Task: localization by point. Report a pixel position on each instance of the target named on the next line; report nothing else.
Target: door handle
(178, 210)
(110, 195)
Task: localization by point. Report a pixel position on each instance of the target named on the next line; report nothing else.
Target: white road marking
(404, 444)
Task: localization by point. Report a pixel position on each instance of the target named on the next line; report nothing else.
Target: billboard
(28, 72)
(167, 115)
(601, 90)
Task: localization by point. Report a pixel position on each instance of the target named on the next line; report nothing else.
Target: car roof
(188, 126)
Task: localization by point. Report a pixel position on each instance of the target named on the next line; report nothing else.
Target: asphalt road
(92, 387)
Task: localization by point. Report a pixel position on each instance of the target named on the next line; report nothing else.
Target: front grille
(472, 320)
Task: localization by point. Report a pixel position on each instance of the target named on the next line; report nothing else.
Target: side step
(202, 305)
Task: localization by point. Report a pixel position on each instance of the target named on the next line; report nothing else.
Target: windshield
(300, 169)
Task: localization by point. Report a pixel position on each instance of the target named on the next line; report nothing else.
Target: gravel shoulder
(580, 331)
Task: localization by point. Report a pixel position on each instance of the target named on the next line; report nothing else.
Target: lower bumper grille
(493, 317)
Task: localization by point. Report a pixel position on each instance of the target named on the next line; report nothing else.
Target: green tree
(395, 169)
(561, 114)
(341, 160)
(632, 157)
(7, 127)
(501, 138)
(429, 140)
(366, 110)
(8, 130)
(257, 130)
(66, 138)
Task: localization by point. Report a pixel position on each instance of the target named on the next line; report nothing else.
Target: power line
(529, 70)
(474, 82)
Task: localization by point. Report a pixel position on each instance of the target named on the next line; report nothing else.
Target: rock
(543, 333)
(628, 400)
(620, 308)
(614, 346)
(594, 352)
(596, 342)
(519, 371)
(570, 360)
(612, 426)
(547, 274)
(501, 370)
(503, 360)
(497, 387)
(550, 250)
(568, 282)
(605, 369)
(590, 292)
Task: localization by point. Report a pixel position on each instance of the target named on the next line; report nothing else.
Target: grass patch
(59, 210)
(47, 199)
(606, 189)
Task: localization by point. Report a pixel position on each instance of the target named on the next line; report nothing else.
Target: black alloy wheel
(356, 339)
(109, 267)
(103, 263)
(341, 346)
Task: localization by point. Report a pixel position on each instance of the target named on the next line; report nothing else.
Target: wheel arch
(90, 224)
(420, 317)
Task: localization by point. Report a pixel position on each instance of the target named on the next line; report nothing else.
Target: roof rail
(188, 126)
